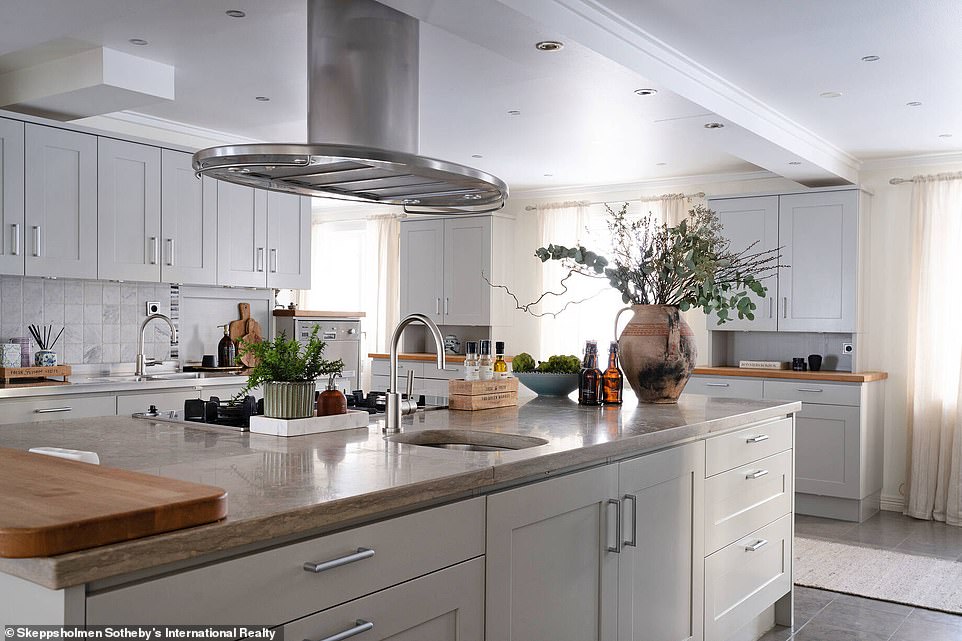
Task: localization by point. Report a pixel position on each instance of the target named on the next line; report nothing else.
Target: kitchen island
(447, 522)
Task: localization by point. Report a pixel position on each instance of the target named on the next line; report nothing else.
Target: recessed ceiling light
(477, 156)
(549, 45)
(945, 135)
(870, 58)
(913, 103)
(794, 162)
(140, 42)
(548, 175)
(235, 13)
(831, 94)
(713, 125)
(262, 99)
(514, 112)
(646, 92)
(660, 164)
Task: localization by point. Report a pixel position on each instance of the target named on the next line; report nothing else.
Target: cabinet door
(746, 221)
(289, 241)
(661, 570)
(441, 606)
(550, 576)
(467, 256)
(422, 268)
(242, 235)
(60, 199)
(827, 450)
(128, 218)
(819, 237)
(11, 197)
(188, 222)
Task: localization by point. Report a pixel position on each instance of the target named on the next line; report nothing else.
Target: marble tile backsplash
(101, 320)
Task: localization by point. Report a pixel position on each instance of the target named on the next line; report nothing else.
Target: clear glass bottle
(590, 377)
(613, 382)
(485, 364)
(500, 366)
(471, 372)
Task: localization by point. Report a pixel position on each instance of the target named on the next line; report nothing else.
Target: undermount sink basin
(468, 440)
(173, 376)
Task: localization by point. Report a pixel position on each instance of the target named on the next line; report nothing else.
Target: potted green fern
(287, 370)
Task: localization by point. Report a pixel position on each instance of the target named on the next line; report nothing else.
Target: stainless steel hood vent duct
(362, 123)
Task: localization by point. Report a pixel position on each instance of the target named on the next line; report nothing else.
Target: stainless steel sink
(174, 376)
(468, 440)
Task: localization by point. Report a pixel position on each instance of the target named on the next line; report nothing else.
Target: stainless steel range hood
(362, 123)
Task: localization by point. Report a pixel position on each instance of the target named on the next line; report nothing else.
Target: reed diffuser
(46, 341)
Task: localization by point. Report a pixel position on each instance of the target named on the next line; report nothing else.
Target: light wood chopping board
(49, 505)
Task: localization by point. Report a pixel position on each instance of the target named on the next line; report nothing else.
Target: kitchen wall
(101, 320)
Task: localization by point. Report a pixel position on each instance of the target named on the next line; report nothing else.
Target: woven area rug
(922, 581)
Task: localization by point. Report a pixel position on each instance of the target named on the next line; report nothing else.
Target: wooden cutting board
(237, 328)
(50, 505)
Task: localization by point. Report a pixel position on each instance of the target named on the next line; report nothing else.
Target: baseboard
(892, 503)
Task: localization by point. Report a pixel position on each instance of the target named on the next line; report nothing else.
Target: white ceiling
(580, 120)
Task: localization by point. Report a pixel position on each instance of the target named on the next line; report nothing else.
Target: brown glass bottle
(590, 377)
(613, 382)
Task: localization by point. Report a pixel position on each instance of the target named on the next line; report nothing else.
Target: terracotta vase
(657, 351)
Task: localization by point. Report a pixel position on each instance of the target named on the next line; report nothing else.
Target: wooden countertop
(299, 313)
(840, 377)
(451, 358)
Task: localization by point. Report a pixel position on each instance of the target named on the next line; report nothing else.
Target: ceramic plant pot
(289, 400)
(657, 351)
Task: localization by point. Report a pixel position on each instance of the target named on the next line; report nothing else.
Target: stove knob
(352, 332)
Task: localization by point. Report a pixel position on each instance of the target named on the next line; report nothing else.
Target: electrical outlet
(847, 348)
(152, 307)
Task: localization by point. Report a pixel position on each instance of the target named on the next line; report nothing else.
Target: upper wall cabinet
(817, 233)
(422, 268)
(188, 222)
(288, 241)
(11, 197)
(128, 221)
(60, 202)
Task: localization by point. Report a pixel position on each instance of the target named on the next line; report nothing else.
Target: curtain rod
(645, 199)
(920, 178)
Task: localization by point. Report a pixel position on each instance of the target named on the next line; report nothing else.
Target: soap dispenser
(331, 401)
(226, 350)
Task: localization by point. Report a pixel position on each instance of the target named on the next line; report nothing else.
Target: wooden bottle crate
(482, 395)
(12, 373)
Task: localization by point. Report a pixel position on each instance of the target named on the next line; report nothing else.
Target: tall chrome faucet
(141, 359)
(396, 407)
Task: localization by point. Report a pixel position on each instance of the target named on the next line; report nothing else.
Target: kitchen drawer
(381, 383)
(382, 367)
(272, 587)
(451, 370)
(740, 583)
(56, 408)
(742, 500)
(442, 606)
(814, 392)
(729, 451)
(724, 386)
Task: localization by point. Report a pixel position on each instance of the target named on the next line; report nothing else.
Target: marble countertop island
(284, 489)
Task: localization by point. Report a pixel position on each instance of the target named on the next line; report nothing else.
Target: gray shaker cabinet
(12, 232)
(288, 241)
(60, 199)
(188, 207)
(242, 225)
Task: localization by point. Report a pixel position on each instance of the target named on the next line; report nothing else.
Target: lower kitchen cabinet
(441, 606)
(51, 408)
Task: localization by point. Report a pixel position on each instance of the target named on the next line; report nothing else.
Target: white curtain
(935, 352)
(384, 233)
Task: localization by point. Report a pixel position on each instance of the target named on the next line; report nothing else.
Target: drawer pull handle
(756, 546)
(757, 439)
(808, 389)
(756, 475)
(617, 547)
(633, 542)
(359, 555)
(716, 384)
(359, 626)
(52, 410)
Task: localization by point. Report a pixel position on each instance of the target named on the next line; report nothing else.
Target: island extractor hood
(362, 123)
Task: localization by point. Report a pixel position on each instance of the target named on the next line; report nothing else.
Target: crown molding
(917, 160)
(214, 135)
(675, 182)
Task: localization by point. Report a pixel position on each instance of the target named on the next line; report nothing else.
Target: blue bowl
(544, 384)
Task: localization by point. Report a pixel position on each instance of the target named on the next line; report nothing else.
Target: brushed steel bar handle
(16, 239)
(633, 542)
(808, 389)
(757, 439)
(36, 241)
(770, 312)
(359, 555)
(154, 248)
(437, 306)
(260, 259)
(52, 410)
(360, 625)
(170, 252)
(617, 503)
(756, 546)
(445, 305)
(785, 307)
(716, 384)
(273, 260)
(756, 475)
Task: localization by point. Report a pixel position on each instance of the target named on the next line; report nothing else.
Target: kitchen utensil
(208, 360)
(88, 505)
(237, 328)
(815, 362)
(253, 334)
